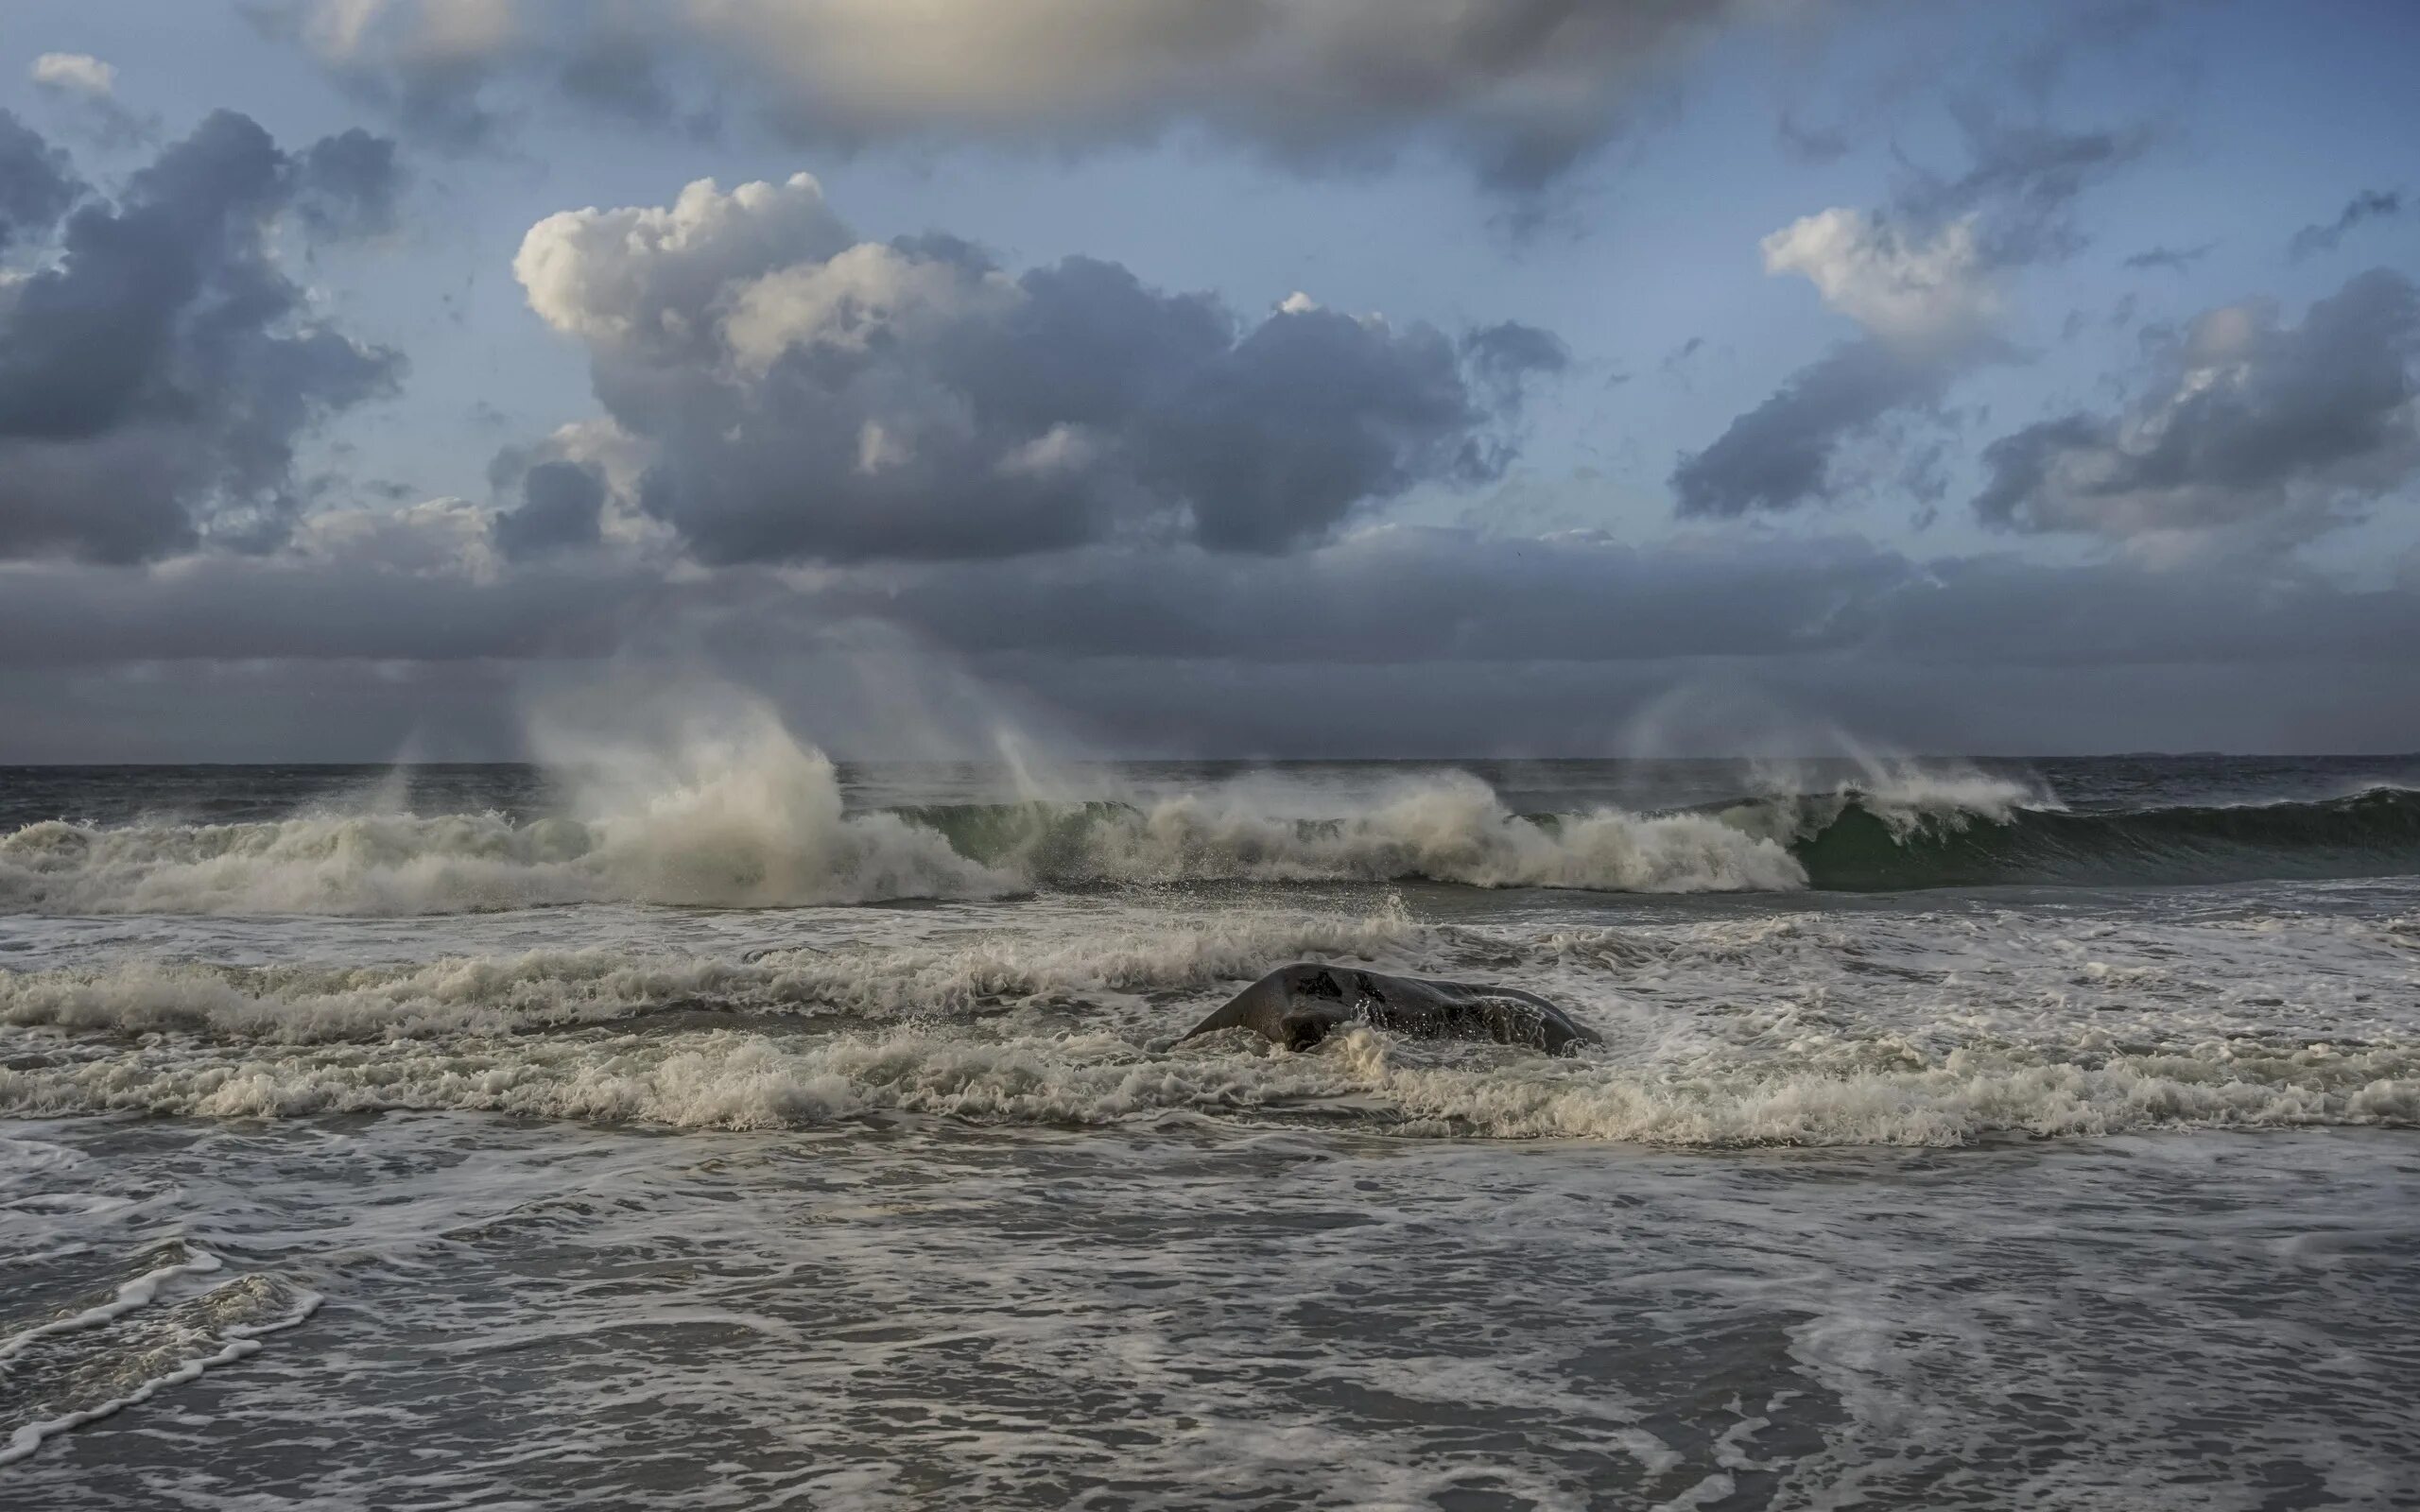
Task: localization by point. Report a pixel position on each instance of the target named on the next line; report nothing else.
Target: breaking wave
(1716, 1033)
(737, 1081)
(551, 989)
(1448, 828)
(1849, 1090)
(752, 820)
(743, 817)
(1860, 847)
(773, 833)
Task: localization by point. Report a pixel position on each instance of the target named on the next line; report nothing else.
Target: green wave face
(2369, 834)
(1048, 838)
(1855, 844)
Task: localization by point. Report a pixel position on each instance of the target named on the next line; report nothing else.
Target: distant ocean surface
(725, 1128)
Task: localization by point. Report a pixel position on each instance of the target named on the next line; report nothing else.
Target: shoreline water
(933, 1315)
(1936, 1197)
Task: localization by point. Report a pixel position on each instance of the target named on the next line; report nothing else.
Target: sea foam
(770, 831)
(1819, 1029)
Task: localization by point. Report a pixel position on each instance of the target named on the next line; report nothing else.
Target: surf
(1861, 846)
(735, 811)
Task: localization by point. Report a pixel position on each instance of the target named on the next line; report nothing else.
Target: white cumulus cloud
(78, 73)
(1912, 291)
(807, 394)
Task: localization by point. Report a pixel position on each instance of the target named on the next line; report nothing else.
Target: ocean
(727, 1129)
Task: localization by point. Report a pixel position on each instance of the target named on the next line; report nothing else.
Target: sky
(1212, 377)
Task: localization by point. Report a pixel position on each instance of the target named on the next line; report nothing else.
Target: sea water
(733, 1129)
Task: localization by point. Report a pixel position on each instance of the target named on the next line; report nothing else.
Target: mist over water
(873, 1073)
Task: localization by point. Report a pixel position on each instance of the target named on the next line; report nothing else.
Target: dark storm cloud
(1520, 90)
(1420, 596)
(1781, 453)
(156, 376)
(1396, 596)
(809, 396)
(2173, 259)
(36, 182)
(1404, 595)
(562, 504)
(221, 606)
(1401, 640)
(2250, 422)
(2370, 204)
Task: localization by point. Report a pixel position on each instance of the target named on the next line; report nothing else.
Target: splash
(723, 807)
(727, 812)
(744, 816)
(1447, 828)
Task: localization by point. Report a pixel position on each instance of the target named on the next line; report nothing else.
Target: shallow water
(1187, 1315)
(753, 1130)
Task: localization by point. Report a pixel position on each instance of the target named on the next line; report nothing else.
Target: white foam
(745, 816)
(240, 1339)
(1849, 1094)
(1885, 1026)
(1908, 797)
(556, 988)
(136, 1293)
(1956, 1100)
(1444, 828)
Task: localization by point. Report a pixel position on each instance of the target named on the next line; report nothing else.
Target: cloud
(2250, 423)
(91, 86)
(2021, 183)
(347, 184)
(1402, 640)
(414, 585)
(157, 372)
(2173, 259)
(562, 506)
(807, 395)
(1926, 305)
(432, 540)
(1814, 144)
(1520, 90)
(37, 184)
(1917, 293)
(1783, 453)
(78, 73)
(1507, 354)
(1922, 279)
(2370, 204)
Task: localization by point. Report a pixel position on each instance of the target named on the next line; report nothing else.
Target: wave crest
(746, 818)
(1839, 1028)
(551, 989)
(743, 817)
(767, 830)
(1868, 1093)
(1450, 827)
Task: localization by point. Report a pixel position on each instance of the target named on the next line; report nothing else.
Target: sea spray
(737, 814)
